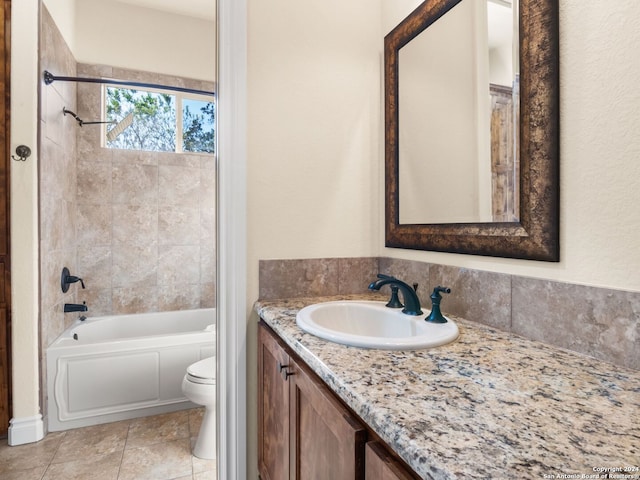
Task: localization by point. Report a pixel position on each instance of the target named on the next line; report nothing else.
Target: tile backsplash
(603, 323)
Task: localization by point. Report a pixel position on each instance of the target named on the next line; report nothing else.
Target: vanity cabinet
(304, 431)
(380, 465)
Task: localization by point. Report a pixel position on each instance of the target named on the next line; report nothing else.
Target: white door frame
(232, 244)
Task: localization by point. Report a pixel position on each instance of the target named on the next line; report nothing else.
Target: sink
(370, 324)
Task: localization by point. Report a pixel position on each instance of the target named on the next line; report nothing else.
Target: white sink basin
(372, 325)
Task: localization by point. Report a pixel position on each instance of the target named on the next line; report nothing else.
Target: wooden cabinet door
(380, 465)
(327, 441)
(273, 408)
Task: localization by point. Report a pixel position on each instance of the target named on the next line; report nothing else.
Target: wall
(127, 36)
(599, 146)
(314, 129)
(443, 60)
(26, 424)
(57, 174)
(146, 220)
(290, 178)
(63, 13)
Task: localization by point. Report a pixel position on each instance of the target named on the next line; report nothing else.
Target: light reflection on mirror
(458, 112)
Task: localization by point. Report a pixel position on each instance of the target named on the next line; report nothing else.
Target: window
(158, 120)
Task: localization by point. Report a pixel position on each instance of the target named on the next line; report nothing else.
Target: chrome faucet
(409, 295)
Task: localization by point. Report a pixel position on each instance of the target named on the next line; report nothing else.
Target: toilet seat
(203, 371)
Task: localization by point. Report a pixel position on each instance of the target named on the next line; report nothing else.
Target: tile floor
(149, 448)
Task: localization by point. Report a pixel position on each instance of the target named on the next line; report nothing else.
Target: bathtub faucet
(75, 307)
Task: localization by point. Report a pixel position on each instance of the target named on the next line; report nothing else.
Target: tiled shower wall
(137, 227)
(599, 322)
(146, 220)
(57, 172)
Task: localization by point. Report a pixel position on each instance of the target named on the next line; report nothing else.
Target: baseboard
(26, 430)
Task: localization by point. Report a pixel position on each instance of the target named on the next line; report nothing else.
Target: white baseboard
(26, 430)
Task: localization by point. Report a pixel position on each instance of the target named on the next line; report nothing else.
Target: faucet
(75, 307)
(66, 279)
(409, 295)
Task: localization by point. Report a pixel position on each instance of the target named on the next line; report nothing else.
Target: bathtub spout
(75, 307)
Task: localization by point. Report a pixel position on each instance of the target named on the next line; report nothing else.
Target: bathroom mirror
(471, 152)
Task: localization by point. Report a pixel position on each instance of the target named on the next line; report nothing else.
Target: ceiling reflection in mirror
(458, 109)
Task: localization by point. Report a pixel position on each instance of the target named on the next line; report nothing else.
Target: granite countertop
(490, 405)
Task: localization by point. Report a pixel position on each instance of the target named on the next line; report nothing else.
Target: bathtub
(112, 368)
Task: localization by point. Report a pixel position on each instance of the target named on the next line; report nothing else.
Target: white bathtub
(106, 369)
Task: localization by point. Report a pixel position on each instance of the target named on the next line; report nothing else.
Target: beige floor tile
(88, 442)
(195, 420)
(154, 448)
(28, 474)
(158, 429)
(94, 468)
(161, 461)
(208, 475)
(29, 456)
(201, 465)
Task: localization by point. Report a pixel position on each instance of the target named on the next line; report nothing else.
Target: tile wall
(602, 323)
(137, 227)
(57, 174)
(146, 220)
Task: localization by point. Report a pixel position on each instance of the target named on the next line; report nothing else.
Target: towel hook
(23, 153)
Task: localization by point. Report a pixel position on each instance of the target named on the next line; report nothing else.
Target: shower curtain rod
(49, 78)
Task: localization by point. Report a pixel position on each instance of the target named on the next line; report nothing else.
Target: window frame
(179, 99)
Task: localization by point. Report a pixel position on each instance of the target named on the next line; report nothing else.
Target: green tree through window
(147, 120)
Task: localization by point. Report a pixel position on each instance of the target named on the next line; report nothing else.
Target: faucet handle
(66, 279)
(436, 314)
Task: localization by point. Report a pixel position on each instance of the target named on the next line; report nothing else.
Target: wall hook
(23, 153)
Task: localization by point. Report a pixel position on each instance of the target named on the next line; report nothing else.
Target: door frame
(232, 244)
(5, 401)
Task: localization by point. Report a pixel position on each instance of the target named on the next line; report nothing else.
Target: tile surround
(127, 222)
(139, 216)
(602, 323)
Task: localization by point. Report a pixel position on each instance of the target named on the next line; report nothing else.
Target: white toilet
(199, 386)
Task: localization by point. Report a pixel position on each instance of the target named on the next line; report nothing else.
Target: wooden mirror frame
(537, 234)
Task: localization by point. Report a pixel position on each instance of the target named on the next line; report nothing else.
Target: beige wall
(24, 210)
(300, 206)
(444, 158)
(138, 38)
(127, 36)
(599, 147)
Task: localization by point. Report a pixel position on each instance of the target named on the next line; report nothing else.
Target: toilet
(199, 386)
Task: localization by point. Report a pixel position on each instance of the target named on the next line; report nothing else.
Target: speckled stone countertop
(489, 405)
